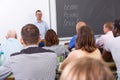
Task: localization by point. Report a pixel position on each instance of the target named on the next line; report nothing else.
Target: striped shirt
(32, 63)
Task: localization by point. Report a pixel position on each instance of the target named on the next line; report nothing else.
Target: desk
(113, 68)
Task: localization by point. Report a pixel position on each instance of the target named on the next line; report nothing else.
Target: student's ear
(22, 42)
(6, 37)
(15, 36)
(39, 40)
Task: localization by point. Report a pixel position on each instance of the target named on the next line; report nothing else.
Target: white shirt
(101, 41)
(113, 45)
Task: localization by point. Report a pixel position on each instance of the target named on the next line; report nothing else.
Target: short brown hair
(30, 34)
(85, 39)
(38, 11)
(86, 69)
(109, 25)
(51, 38)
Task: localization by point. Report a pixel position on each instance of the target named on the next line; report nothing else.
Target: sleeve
(66, 52)
(108, 44)
(72, 42)
(71, 57)
(5, 70)
(100, 41)
(46, 27)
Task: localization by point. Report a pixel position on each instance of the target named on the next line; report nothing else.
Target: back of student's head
(51, 38)
(117, 24)
(30, 34)
(86, 69)
(108, 26)
(85, 39)
(116, 29)
(79, 25)
(11, 34)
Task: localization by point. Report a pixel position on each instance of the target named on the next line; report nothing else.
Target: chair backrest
(60, 59)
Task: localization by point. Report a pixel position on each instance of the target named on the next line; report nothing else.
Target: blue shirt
(10, 46)
(72, 42)
(43, 27)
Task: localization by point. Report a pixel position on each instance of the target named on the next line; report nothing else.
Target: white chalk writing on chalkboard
(70, 6)
(95, 13)
(70, 14)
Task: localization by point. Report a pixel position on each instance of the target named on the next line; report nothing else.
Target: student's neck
(39, 20)
(32, 45)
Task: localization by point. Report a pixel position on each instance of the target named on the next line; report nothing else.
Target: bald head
(11, 34)
(79, 25)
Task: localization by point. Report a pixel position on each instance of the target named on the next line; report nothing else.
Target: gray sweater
(33, 63)
(60, 50)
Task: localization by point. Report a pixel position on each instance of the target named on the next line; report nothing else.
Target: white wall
(16, 13)
(53, 15)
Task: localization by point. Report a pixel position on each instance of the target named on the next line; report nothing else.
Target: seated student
(73, 40)
(33, 62)
(107, 28)
(52, 43)
(10, 45)
(113, 45)
(86, 69)
(85, 47)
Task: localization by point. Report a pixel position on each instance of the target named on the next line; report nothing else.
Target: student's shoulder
(74, 52)
(74, 36)
(14, 54)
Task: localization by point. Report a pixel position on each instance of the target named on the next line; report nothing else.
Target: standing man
(42, 26)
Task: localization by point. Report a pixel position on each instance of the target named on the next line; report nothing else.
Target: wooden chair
(10, 77)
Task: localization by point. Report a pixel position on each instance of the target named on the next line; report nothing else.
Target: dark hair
(116, 28)
(86, 69)
(38, 11)
(85, 39)
(51, 38)
(117, 24)
(30, 34)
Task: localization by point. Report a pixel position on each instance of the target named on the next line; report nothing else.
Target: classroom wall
(16, 13)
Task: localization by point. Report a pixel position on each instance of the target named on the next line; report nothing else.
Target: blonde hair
(11, 34)
(109, 25)
(86, 69)
(79, 25)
